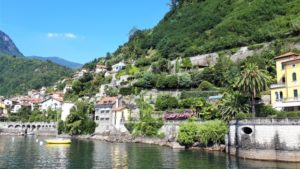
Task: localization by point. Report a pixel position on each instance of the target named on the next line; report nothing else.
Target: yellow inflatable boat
(58, 141)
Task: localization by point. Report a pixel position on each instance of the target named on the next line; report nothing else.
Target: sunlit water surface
(29, 152)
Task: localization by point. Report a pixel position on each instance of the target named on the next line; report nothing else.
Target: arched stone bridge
(34, 126)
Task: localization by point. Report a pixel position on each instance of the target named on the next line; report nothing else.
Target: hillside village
(123, 95)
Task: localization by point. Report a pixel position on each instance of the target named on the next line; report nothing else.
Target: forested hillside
(200, 26)
(17, 75)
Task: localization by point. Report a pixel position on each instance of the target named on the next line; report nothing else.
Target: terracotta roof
(119, 108)
(108, 100)
(286, 55)
(292, 59)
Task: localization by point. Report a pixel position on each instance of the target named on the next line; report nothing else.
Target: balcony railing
(278, 85)
(291, 99)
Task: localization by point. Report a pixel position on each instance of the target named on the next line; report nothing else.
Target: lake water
(26, 152)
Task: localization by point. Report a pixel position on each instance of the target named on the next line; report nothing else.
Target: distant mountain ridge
(59, 61)
(7, 46)
(18, 74)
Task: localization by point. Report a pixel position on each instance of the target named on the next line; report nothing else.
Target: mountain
(7, 46)
(195, 27)
(19, 74)
(59, 61)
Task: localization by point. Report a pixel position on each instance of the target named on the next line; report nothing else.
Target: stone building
(110, 114)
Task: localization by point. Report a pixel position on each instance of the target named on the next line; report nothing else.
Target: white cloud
(68, 35)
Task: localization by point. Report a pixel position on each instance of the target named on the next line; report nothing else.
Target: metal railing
(278, 85)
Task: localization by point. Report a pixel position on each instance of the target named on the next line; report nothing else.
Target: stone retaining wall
(265, 139)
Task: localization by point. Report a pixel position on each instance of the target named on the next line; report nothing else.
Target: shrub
(184, 80)
(148, 127)
(187, 134)
(206, 86)
(209, 132)
(164, 102)
(125, 91)
(265, 111)
(242, 115)
(212, 132)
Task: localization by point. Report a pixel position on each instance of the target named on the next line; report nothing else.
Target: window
(294, 77)
(107, 111)
(102, 111)
(106, 118)
(276, 96)
(294, 65)
(281, 95)
(295, 93)
(283, 79)
(282, 66)
(97, 117)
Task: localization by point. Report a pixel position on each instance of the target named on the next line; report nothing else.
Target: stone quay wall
(38, 128)
(265, 139)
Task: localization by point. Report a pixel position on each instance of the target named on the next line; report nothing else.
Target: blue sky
(76, 30)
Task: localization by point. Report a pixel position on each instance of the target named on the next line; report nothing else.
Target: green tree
(252, 81)
(232, 104)
(164, 102)
(79, 121)
(184, 80)
(186, 63)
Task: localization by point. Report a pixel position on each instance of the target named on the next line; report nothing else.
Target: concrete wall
(265, 139)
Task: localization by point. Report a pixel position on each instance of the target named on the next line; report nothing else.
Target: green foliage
(212, 132)
(242, 115)
(111, 91)
(79, 121)
(148, 80)
(184, 80)
(252, 81)
(187, 134)
(281, 115)
(206, 86)
(86, 85)
(186, 63)
(26, 115)
(162, 65)
(61, 127)
(128, 70)
(266, 111)
(147, 127)
(232, 104)
(209, 132)
(21, 74)
(164, 102)
(145, 108)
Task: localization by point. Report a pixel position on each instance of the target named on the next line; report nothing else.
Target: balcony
(278, 85)
(291, 99)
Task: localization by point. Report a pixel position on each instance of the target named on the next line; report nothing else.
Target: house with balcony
(285, 93)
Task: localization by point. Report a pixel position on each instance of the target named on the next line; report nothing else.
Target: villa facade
(285, 93)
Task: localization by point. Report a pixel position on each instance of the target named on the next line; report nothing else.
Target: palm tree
(252, 81)
(232, 104)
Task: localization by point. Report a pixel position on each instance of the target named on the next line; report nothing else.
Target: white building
(66, 109)
(119, 66)
(51, 103)
(110, 115)
(100, 68)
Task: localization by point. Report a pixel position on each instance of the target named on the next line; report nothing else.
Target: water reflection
(25, 152)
